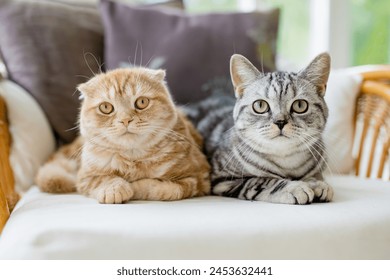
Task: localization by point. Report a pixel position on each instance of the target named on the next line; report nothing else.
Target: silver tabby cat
(266, 144)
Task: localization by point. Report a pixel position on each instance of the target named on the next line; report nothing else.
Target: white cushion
(32, 138)
(355, 226)
(343, 88)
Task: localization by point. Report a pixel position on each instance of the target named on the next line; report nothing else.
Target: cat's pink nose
(126, 121)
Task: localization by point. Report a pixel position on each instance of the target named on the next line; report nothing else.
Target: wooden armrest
(373, 106)
(377, 75)
(8, 196)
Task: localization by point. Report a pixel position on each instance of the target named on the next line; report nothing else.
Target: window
(202, 6)
(355, 32)
(370, 31)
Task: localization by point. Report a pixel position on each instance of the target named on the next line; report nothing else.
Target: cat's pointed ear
(242, 73)
(317, 72)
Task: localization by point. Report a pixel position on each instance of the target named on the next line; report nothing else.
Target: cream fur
(148, 154)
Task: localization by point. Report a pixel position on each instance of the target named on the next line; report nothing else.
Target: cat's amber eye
(260, 106)
(141, 103)
(106, 108)
(300, 106)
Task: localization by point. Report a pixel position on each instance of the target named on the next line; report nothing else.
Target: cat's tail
(58, 174)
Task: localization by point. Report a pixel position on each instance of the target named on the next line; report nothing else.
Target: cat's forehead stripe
(125, 84)
(277, 84)
(111, 92)
(121, 87)
(273, 81)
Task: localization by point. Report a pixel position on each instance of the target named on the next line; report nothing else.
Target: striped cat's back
(212, 117)
(266, 143)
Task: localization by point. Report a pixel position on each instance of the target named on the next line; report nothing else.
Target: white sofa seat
(356, 225)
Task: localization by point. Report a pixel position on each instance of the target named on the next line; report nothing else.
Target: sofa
(37, 225)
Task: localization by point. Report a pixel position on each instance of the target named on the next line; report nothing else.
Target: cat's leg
(265, 189)
(154, 189)
(57, 176)
(107, 189)
(323, 192)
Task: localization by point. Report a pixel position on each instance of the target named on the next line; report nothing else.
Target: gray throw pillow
(49, 47)
(194, 48)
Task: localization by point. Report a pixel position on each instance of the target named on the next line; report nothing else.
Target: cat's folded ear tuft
(88, 88)
(82, 88)
(242, 73)
(158, 75)
(317, 72)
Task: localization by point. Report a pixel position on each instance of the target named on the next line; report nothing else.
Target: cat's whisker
(73, 128)
(172, 133)
(95, 59)
(322, 147)
(261, 63)
(246, 155)
(129, 61)
(135, 54)
(140, 65)
(303, 141)
(231, 155)
(150, 59)
(83, 76)
(320, 153)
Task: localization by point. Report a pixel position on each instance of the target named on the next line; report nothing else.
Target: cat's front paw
(297, 192)
(114, 194)
(323, 192)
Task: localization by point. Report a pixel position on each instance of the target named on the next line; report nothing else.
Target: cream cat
(134, 144)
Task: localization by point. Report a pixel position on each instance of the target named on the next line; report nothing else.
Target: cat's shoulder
(188, 128)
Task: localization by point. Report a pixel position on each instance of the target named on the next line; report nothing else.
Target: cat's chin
(280, 137)
(128, 134)
(279, 145)
(280, 140)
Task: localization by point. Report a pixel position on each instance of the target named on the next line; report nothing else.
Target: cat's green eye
(260, 106)
(141, 103)
(300, 106)
(106, 108)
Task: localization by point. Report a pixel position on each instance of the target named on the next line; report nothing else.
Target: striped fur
(276, 156)
(130, 153)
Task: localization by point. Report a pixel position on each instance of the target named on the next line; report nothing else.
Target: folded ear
(83, 89)
(158, 75)
(242, 73)
(317, 72)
